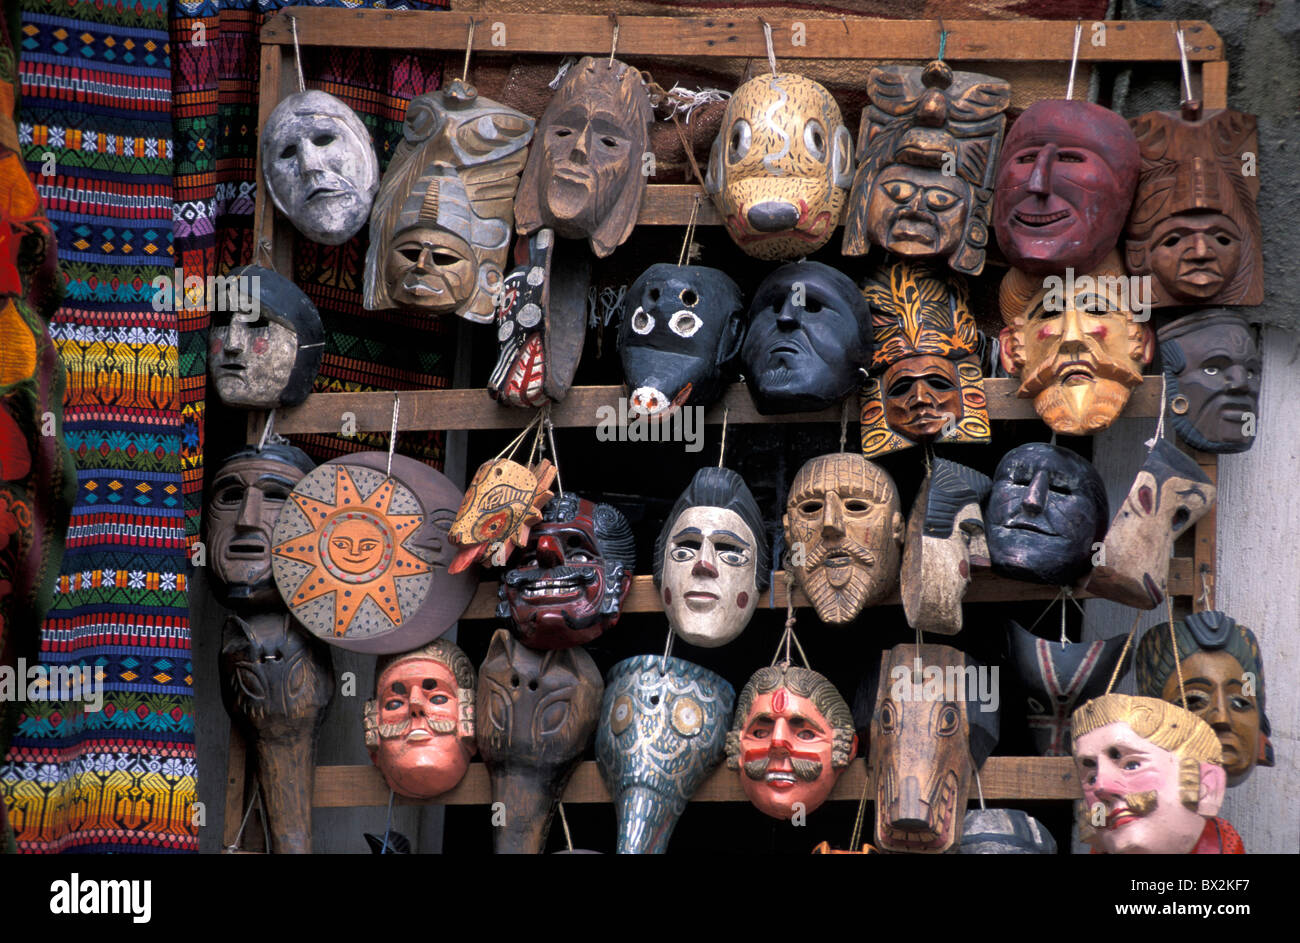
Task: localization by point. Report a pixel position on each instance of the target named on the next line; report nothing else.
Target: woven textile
(94, 131)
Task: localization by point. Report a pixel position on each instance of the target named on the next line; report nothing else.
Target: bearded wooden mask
(1055, 678)
(682, 326)
(1047, 508)
(1151, 774)
(1169, 495)
(791, 738)
(440, 228)
(269, 357)
(809, 336)
(925, 383)
(1195, 225)
(780, 166)
(711, 559)
(1076, 345)
(536, 712)
(247, 495)
(843, 531)
(663, 725)
(927, 150)
(567, 585)
(1212, 371)
(945, 538)
(277, 682)
(419, 729)
(1223, 675)
(319, 165)
(926, 730)
(361, 556)
(1064, 185)
(584, 177)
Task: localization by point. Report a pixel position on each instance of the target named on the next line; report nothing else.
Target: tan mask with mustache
(843, 531)
(1078, 355)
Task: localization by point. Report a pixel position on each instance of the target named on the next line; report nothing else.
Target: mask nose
(912, 814)
(1072, 332)
(581, 147)
(549, 552)
(250, 510)
(1036, 497)
(772, 216)
(236, 336)
(706, 563)
(648, 400)
(1201, 249)
(1040, 179)
(311, 159)
(787, 319)
(832, 516)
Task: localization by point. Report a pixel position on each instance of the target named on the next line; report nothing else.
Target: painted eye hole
(642, 323)
(1223, 239)
(888, 717)
(323, 139)
(289, 153)
(1210, 371)
(684, 323)
(738, 142)
(856, 505)
(900, 191)
(814, 138)
(1027, 157)
(733, 556)
(609, 141)
(689, 297)
(1070, 157)
(939, 199)
(949, 721)
(621, 715)
(685, 551)
(688, 717)
(810, 507)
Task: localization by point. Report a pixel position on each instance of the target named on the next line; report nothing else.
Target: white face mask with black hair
(710, 570)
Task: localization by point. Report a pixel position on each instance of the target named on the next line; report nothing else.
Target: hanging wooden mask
(441, 224)
(1055, 678)
(361, 557)
(791, 738)
(663, 725)
(419, 728)
(1047, 508)
(266, 358)
(780, 166)
(319, 165)
(927, 151)
(843, 532)
(1195, 225)
(925, 383)
(541, 322)
(1077, 345)
(711, 559)
(502, 502)
(535, 715)
(567, 585)
(927, 729)
(1004, 832)
(276, 682)
(1212, 370)
(682, 327)
(1223, 675)
(247, 495)
(1152, 779)
(809, 336)
(945, 538)
(584, 176)
(1064, 185)
(1169, 495)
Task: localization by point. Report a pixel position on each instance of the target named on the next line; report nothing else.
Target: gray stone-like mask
(320, 167)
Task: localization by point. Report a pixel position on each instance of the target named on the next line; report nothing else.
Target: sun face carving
(340, 555)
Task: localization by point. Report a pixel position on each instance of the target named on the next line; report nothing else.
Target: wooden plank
(1214, 84)
(1003, 778)
(474, 409)
(726, 36)
(985, 586)
(669, 204)
(236, 759)
(1206, 545)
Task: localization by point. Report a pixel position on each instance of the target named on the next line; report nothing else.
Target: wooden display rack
(837, 38)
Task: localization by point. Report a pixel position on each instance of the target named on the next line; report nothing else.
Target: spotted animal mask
(502, 502)
(927, 151)
(780, 166)
(663, 725)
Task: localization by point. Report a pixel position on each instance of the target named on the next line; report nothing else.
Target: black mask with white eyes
(682, 326)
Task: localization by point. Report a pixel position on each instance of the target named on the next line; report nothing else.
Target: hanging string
(1207, 581)
(862, 809)
(1114, 675)
(568, 839)
(1160, 423)
(555, 456)
(239, 835)
(297, 55)
(1173, 642)
(943, 40)
(787, 636)
(513, 445)
(844, 423)
(1182, 55)
(685, 254)
(469, 45)
(771, 52)
(388, 825)
(392, 433)
(613, 47)
(1066, 592)
(1059, 597)
(979, 786)
(668, 647)
(266, 429)
(722, 443)
(1074, 59)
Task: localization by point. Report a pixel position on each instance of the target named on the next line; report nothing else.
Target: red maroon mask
(1064, 185)
(568, 584)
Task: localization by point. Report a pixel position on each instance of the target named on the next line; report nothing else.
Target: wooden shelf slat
(474, 409)
(985, 586)
(1003, 778)
(742, 36)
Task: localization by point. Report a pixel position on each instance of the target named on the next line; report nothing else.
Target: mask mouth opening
(246, 549)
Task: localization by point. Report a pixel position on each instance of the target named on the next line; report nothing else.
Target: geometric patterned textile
(95, 134)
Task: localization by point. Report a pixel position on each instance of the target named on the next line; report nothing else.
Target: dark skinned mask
(1213, 371)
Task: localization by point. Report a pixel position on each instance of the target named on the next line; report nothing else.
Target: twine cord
(771, 52)
(266, 429)
(722, 443)
(1182, 56)
(684, 255)
(1173, 642)
(1074, 59)
(568, 839)
(1114, 675)
(297, 55)
(469, 45)
(392, 433)
(555, 456)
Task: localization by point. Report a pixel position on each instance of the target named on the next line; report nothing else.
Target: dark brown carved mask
(535, 713)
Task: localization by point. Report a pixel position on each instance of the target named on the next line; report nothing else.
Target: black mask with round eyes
(535, 713)
(682, 326)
